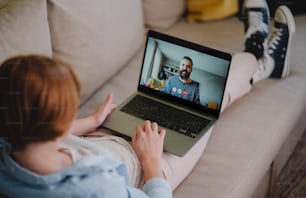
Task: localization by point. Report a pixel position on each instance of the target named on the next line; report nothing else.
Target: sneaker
(280, 41)
(256, 17)
(275, 62)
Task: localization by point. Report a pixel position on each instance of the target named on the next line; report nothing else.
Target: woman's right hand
(148, 144)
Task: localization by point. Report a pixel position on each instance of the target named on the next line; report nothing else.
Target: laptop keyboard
(166, 116)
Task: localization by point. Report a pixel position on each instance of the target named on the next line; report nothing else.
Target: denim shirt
(91, 176)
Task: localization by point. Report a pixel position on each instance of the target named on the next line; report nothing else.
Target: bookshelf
(167, 71)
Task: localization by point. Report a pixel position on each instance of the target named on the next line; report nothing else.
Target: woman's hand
(89, 124)
(104, 110)
(148, 144)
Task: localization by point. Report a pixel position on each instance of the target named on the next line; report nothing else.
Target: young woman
(38, 102)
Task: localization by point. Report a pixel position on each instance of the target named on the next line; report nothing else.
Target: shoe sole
(244, 17)
(291, 31)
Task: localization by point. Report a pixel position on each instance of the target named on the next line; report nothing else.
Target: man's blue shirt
(186, 91)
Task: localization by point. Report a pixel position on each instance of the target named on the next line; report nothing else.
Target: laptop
(186, 113)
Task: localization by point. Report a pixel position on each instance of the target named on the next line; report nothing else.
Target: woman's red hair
(38, 99)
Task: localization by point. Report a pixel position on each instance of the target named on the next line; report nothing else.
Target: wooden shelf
(167, 71)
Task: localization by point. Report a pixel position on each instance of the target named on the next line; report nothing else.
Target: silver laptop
(185, 100)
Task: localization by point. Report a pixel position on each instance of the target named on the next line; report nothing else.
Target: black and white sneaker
(280, 41)
(275, 62)
(256, 17)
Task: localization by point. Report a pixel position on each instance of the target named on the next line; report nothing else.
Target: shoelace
(274, 39)
(256, 24)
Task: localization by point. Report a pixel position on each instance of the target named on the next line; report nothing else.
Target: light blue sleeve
(197, 95)
(166, 87)
(153, 188)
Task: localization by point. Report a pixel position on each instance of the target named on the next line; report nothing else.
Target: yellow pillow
(205, 10)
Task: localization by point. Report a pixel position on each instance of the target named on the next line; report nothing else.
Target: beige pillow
(162, 13)
(24, 29)
(97, 37)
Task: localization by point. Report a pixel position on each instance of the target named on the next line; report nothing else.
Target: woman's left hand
(104, 110)
(84, 126)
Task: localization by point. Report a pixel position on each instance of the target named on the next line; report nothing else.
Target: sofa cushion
(24, 28)
(161, 13)
(97, 42)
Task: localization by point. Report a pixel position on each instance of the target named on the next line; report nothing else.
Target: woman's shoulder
(90, 174)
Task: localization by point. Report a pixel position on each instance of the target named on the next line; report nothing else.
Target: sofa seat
(249, 135)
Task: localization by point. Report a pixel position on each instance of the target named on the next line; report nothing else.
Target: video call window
(162, 61)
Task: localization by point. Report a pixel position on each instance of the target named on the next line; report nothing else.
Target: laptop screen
(185, 72)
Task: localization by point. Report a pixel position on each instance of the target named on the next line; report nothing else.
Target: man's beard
(184, 74)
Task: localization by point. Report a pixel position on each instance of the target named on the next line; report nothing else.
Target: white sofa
(103, 40)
